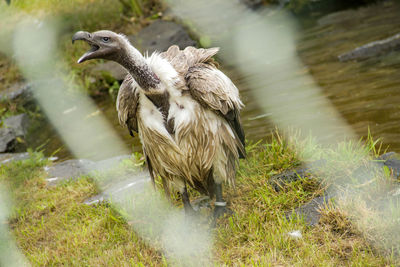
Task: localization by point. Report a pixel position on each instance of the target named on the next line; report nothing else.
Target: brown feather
(128, 103)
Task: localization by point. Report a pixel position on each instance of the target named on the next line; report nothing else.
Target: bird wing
(208, 85)
(182, 60)
(127, 104)
(214, 90)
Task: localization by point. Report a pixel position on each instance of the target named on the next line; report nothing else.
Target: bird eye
(106, 39)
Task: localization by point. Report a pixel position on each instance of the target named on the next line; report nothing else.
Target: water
(366, 94)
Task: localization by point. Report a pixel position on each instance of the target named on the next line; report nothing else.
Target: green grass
(53, 227)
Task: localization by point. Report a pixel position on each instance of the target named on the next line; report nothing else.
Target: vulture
(185, 110)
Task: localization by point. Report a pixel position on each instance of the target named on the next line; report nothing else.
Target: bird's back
(182, 60)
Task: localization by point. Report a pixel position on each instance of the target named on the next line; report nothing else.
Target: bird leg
(186, 202)
(220, 204)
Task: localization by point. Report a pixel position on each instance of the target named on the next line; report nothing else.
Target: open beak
(87, 37)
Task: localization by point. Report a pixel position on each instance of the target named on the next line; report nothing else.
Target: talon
(220, 211)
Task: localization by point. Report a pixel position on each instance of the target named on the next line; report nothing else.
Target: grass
(52, 226)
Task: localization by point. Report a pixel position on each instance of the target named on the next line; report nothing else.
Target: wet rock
(14, 127)
(279, 181)
(392, 161)
(373, 49)
(160, 35)
(107, 164)
(19, 123)
(118, 191)
(69, 169)
(7, 140)
(74, 168)
(311, 211)
(20, 92)
(9, 157)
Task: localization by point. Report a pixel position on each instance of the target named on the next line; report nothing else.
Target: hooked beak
(87, 37)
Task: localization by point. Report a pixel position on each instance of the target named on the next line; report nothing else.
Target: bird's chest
(168, 115)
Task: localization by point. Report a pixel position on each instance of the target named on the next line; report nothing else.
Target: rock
(69, 169)
(7, 140)
(392, 161)
(74, 168)
(130, 184)
(9, 157)
(311, 210)
(107, 164)
(19, 123)
(114, 69)
(160, 35)
(278, 181)
(13, 128)
(116, 187)
(18, 92)
(373, 49)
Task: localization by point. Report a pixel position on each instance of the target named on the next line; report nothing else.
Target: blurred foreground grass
(52, 226)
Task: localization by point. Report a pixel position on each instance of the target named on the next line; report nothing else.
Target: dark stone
(392, 161)
(19, 123)
(373, 49)
(13, 128)
(7, 140)
(279, 181)
(9, 157)
(74, 168)
(160, 35)
(311, 210)
(20, 92)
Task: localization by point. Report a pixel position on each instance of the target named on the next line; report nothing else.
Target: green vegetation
(53, 227)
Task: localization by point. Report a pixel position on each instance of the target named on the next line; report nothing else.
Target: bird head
(104, 45)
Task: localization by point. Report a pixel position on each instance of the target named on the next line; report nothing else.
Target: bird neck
(136, 65)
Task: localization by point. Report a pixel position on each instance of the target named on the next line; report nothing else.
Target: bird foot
(221, 209)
